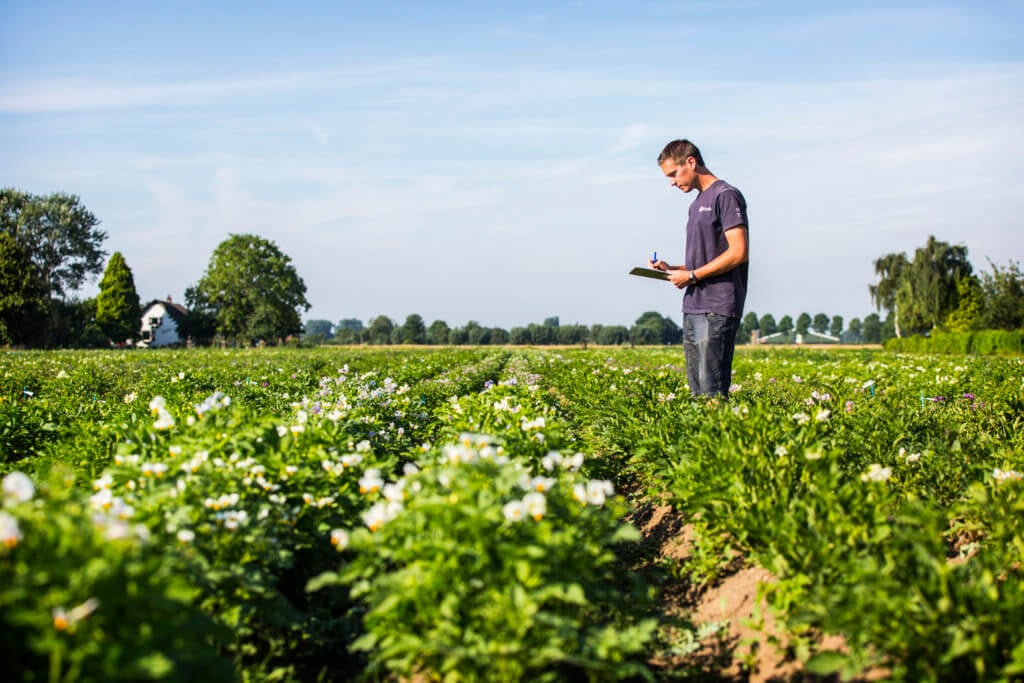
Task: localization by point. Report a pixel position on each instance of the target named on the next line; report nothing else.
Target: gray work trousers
(709, 341)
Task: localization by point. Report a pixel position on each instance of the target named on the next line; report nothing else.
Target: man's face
(681, 174)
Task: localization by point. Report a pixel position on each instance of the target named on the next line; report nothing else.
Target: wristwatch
(693, 277)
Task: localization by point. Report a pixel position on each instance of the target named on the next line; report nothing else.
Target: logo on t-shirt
(702, 209)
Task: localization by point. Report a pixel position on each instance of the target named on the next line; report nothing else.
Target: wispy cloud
(90, 93)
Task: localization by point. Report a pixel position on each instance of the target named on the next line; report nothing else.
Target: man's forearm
(719, 265)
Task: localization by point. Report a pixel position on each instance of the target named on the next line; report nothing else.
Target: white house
(160, 323)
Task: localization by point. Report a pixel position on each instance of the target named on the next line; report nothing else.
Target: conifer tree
(118, 311)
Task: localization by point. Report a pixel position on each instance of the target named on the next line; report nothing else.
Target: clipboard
(649, 272)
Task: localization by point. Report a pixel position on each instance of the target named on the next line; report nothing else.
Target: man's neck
(705, 180)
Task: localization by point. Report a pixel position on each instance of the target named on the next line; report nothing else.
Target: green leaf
(626, 533)
(322, 581)
(826, 662)
(155, 665)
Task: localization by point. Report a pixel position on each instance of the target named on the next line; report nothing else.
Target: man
(715, 273)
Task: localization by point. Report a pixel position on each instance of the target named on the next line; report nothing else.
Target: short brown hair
(679, 150)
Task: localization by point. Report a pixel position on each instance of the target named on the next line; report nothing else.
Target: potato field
(500, 514)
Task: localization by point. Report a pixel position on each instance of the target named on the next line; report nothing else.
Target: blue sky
(496, 161)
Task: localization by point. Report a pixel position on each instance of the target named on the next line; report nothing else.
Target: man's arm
(735, 254)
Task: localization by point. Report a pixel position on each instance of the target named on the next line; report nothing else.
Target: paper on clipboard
(649, 272)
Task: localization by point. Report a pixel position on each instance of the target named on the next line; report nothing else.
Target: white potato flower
(514, 511)
(1006, 475)
(18, 488)
(10, 532)
(339, 539)
(598, 490)
(164, 420)
(371, 481)
(536, 504)
(876, 473)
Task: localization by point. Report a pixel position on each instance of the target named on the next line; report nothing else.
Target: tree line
(250, 292)
(651, 328)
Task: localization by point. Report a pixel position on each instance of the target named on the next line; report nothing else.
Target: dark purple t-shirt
(712, 213)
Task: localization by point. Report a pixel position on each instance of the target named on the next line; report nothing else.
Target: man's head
(682, 164)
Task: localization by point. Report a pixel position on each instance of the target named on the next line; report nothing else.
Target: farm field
(503, 514)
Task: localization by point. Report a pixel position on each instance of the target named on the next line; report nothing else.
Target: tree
(1004, 297)
(457, 336)
(348, 331)
(318, 331)
(542, 334)
(889, 327)
(889, 269)
(970, 311)
(653, 328)
(767, 325)
(520, 336)
(613, 335)
(201, 324)
(24, 300)
(74, 325)
(118, 310)
(59, 233)
(252, 290)
(379, 330)
(820, 323)
(498, 335)
(438, 332)
(414, 331)
(872, 329)
(928, 292)
(573, 334)
(835, 328)
(854, 333)
(785, 324)
(922, 292)
(803, 323)
(748, 326)
(477, 334)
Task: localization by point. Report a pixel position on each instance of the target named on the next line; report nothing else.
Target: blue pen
(655, 257)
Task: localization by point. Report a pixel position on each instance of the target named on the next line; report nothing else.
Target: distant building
(811, 337)
(161, 321)
(775, 338)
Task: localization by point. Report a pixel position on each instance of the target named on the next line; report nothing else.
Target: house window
(154, 322)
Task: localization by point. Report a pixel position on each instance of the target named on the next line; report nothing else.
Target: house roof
(175, 310)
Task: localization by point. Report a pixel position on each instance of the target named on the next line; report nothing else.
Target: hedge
(980, 343)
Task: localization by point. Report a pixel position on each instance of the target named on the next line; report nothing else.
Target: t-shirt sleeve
(732, 209)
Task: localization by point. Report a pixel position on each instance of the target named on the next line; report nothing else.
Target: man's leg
(695, 345)
(720, 347)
